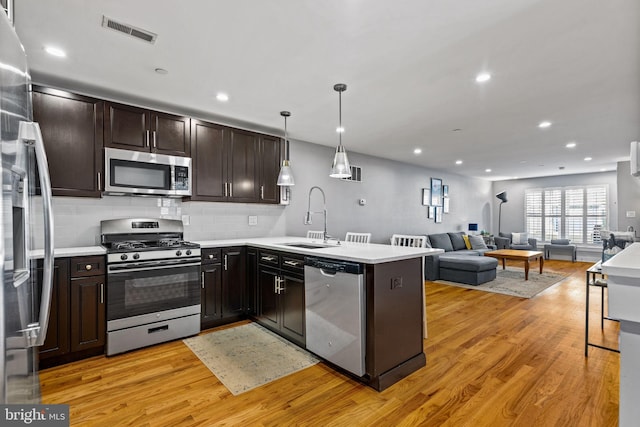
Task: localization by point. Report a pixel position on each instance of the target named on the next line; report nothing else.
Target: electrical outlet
(253, 220)
(396, 282)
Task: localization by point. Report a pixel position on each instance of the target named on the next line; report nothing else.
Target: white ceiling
(409, 65)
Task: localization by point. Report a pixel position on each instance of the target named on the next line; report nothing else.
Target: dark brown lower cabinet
(281, 303)
(223, 282)
(77, 318)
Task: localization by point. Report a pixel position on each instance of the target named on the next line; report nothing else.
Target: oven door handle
(120, 269)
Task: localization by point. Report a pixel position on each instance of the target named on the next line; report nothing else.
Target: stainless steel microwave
(146, 174)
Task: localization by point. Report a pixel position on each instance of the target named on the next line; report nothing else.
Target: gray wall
(513, 210)
(393, 194)
(628, 198)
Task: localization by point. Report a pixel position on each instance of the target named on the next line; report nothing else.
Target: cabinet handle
(277, 281)
(88, 267)
(226, 192)
(202, 279)
(99, 183)
(225, 262)
(101, 293)
(267, 258)
(231, 189)
(292, 263)
(147, 138)
(262, 192)
(154, 139)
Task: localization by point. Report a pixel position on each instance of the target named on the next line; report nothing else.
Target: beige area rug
(511, 282)
(248, 356)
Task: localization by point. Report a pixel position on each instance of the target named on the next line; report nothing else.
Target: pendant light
(340, 167)
(285, 177)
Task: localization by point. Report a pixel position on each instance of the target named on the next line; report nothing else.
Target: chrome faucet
(309, 213)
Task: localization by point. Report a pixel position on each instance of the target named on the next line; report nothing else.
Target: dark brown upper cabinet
(233, 165)
(71, 127)
(133, 128)
(269, 163)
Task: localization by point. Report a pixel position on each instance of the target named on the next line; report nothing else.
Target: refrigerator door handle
(30, 131)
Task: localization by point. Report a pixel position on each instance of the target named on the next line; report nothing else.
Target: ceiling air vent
(356, 174)
(138, 33)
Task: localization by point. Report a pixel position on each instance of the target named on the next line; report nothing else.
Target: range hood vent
(130, 30)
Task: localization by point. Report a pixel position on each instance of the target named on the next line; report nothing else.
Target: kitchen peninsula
(394, 307)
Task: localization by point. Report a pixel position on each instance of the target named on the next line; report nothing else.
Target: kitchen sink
(308, 245)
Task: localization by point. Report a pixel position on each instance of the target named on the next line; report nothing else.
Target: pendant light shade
(340, 167)
(285, 177)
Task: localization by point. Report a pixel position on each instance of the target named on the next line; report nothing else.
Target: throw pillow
(477, 242)
(519, 238)
(466, 241)
(560, 241)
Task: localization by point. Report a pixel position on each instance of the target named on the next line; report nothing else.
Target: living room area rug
(511, 282)
(247, 356)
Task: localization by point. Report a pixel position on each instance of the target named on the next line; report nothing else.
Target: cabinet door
(242, 162)
(211, 293)
(233, 281)
(57, 340)
(269, 169)
(126, 127)
(268, 303)
(71, 127)
(293, 308)
(170, 134)
(88, 320)
(251, 297)
(209, 161)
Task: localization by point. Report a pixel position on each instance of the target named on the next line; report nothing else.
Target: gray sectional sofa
(457, 263)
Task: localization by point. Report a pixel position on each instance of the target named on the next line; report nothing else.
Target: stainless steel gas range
(153, 283)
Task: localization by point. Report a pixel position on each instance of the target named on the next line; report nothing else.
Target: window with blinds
(567, 212)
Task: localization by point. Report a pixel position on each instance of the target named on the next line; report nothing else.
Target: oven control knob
(123, 257)
(136, 256)
(188, 252)
(178, 253)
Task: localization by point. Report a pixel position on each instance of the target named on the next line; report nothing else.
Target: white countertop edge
(368, 253)
(625, 263)
(69, 252)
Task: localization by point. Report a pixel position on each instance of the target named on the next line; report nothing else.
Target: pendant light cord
(340, 117)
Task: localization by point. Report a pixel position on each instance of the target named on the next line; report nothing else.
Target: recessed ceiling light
(458, 162)
(483, 77)
(487, 170)
(571, 145)
(544, 124)
(588, 159)
(523, 161)
(55, 51)
(161, 71)
(602, 170)
(417, 151)
(222, 97)
(340, 129)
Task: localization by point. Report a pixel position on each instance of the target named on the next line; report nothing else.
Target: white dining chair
(357, 237)
(409, 240)
(311, 234)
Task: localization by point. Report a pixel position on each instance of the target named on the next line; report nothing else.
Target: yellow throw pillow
(466, 241)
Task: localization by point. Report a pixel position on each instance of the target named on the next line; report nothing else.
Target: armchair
(504, 241)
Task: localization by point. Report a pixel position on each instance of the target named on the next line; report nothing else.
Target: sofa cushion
(441, 241)
(560, 241)
(468, 263)
(477, 242)
(526, 247)
(457, 241)
(520, 238)
(507, 235)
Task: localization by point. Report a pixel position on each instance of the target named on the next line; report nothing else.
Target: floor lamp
(503, 197)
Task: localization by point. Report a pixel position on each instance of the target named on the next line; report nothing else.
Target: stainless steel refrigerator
(24, 307)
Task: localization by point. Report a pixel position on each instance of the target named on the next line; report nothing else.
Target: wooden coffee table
(526, 256)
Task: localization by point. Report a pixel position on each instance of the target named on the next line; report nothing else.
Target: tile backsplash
(77, 220)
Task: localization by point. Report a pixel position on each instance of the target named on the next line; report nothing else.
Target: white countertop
(625, 263)
(368, 253)
(69, 252)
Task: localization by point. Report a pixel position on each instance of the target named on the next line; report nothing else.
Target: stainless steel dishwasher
(335, 312)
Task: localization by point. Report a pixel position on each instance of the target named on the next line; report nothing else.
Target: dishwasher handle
(330, 267)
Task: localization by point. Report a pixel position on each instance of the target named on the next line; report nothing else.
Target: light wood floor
(492, 360)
